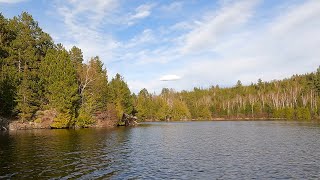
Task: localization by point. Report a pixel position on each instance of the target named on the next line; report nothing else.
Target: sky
(182, 44)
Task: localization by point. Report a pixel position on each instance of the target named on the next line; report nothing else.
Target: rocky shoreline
(128, 120)
(46, 118)
(18, 125)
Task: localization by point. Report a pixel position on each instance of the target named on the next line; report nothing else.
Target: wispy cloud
(146, 36)
(215, 26)
(84, 22)
(286, 45)
(141, 12)
(216, 44)
(172, 7)
(244, 48)
(11, 1)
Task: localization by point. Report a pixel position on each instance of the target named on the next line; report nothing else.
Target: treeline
(37, 75)
(293, 98)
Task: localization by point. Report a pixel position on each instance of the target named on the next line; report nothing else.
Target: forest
(38, 77)
(295, 98)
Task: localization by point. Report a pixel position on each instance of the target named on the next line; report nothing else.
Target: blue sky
(185, 44)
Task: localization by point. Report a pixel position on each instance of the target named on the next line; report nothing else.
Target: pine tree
(145, 105)
(58, 76)
(316, 80)
(8, 80)
(120, 95)
(26, 52)
(179, 111)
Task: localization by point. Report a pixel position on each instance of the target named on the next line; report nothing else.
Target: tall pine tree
(120, 95)
(25, 54)
(8, 78)
(316, 80)
(58, 76)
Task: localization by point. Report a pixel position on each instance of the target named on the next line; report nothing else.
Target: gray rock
(128, 120)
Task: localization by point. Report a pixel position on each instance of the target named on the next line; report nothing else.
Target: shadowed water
(181, 150)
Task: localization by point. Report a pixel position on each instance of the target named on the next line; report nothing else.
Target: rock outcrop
(105, 119)
(4, 124)
(42, 120)
(128, 120)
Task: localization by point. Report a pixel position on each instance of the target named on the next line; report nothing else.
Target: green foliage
(37, 75)
(289, 113)
(76, 56)
(120, 95)
(8, 81)
(303, 113)
(23, 45)
(278, 113)
(293, 98)
(162, 110)
(27, 102)
(146, 106)
(7, 96)
(84, 119)
(60, 84)
(93, 90)
(316, 80)
(179, 111)
(63, 120)
(202, 112)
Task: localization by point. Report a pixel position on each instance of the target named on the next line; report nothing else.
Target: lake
(178, 150)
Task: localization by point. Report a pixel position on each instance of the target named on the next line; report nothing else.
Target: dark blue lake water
(179, 150)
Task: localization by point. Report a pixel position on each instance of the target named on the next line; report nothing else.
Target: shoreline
(14, 125)
(235, 119)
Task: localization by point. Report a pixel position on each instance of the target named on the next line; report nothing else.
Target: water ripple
(191, 150)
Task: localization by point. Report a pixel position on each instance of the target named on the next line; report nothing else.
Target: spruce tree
(76, 55)
(316, 80)
(25, 54)
(120, 95)
(8, 78)
(58, 76)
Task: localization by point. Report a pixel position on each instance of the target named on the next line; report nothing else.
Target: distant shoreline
(233, 119)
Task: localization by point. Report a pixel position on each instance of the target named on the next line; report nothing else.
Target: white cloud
(214, 26)
(84, 25)
(141, 12)
(140, 39)
(219, 47)
(298, 16)
(184, 25)
(11, 1)
(170, 77)
(288, 44)
(172, 7)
